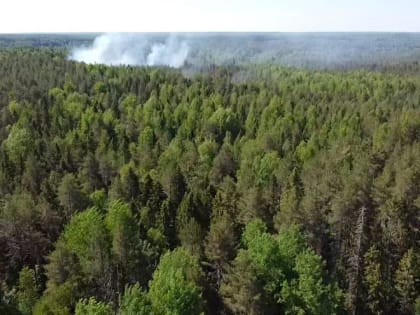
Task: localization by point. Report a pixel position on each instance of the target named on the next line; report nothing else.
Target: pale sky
(209, 15)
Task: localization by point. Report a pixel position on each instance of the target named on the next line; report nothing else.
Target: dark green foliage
(69, 195)
(241, 289)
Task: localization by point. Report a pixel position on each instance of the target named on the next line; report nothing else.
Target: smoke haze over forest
(314, 50)
(132, 49)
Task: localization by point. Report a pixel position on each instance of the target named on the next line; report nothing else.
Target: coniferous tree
(407, 281)
(27, 294)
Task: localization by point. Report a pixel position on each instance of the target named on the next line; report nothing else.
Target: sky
(19, 16)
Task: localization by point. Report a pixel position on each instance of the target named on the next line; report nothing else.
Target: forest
(243, 189)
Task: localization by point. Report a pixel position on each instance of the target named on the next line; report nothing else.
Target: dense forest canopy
(248, 188)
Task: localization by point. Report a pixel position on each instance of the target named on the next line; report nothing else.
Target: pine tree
(122, 230)
(220, 245)
(407, 281)
(241, 289)
(289, 212)
(373, 282)
(356, 262)
(27, 294)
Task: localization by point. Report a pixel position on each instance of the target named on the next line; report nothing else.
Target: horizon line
(210, 32)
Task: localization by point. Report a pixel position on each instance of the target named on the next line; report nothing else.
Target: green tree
(23, 234)
(135, 302)
(291, 244)
(417, 306)
(57, 300)
(373, 282)
(19, 143)
(176, 284)
(309, 293)
(220, 245)
(70, 195)
(407, 281)
(124, 239)
(92, 307)
(191, 236)
(290, 212)
(264, 253)
(241, 289)
(27, 294)
(86, 237)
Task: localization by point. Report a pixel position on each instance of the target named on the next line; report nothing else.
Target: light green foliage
(263, 251)
(99, 87)
(15, 108)
(253, 230)
(207, 151)
(122, 231)
(175, 287)
(308, 294)
(57, 300)
(291, 274)
(266, 167)
(109, 119)
(19, 143)
(146, 139)
(86, 237)
(225, 121)
(98, 199)
(135, 302)
(291, 243)
(305, 150)
(92, 307)
(74, 105)
(120, 224)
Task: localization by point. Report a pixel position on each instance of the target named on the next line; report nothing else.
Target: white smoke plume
(133, 49)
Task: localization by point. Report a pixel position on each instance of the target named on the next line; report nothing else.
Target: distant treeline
(304, 50)
(45, 40)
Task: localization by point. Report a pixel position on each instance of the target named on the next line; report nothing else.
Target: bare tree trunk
(356, 260)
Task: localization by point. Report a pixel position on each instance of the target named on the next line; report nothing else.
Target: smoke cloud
(133, 49)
